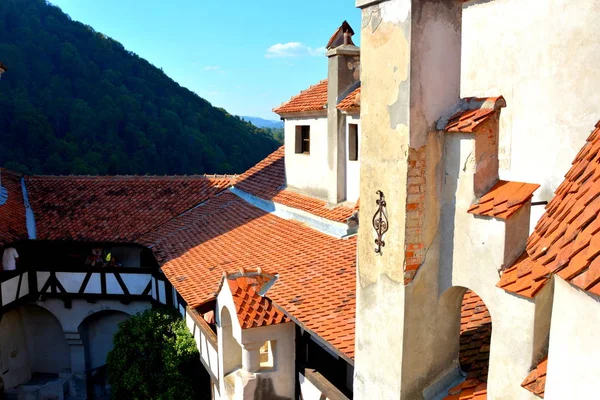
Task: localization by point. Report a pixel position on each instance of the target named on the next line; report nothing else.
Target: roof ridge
(129, 177)
(302, 92)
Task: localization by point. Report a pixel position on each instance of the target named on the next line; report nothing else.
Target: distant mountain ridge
(263, 123)
(74, 101)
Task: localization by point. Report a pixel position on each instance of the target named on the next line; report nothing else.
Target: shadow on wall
(265, 390)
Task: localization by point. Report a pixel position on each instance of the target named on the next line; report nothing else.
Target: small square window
(267, 359)
(353, 142)
(303, 139)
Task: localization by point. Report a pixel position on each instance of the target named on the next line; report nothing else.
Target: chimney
(343, 77)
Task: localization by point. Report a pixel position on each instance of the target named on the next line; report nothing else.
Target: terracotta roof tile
(316, 283)
(566, 240)
(12, 211)
(253, 310)
(113, 209)
(267, 181)
(351, 102)
(475, 339)
(536, 380)
(474, 112)
(312, 99)
(503, 199)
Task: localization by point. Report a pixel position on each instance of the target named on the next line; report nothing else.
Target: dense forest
(74, 101)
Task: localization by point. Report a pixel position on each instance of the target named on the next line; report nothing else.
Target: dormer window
(303, 139)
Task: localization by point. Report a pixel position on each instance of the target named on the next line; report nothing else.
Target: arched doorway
(97, 332)
(475, 334)
(32, 346)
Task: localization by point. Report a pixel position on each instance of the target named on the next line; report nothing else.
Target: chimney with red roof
(343, 78)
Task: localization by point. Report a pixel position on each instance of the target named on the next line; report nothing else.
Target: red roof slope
(536, 380)
(312, 99)
(316, 282)
(566, 240)
(503, 199)
(475, 112)
(113, 209)
(475, 339)
(252, 309)
(12, 212)
(267, 181)
(351, 102)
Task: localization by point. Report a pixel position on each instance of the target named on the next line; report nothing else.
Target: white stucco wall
(307, 172)
(574, 346)
(472, 252)
(543, 57)
(352, 167)
(10, 289)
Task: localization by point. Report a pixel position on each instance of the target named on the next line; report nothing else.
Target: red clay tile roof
(351, 102)
(113, 209)
(316, 283)
(475, 112)
(267, 181)
(253, 310)
(475, 339)
(566, 240)
(503, 199)
(536, 380)
(312, 99)
(12, 212)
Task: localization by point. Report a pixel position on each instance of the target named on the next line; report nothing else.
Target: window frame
(352, 142)
(302, 139)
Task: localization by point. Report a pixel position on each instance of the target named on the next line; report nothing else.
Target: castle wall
(542, 56)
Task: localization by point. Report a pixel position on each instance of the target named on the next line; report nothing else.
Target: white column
(251, 357)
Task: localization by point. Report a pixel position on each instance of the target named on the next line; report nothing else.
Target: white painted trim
(332, 228)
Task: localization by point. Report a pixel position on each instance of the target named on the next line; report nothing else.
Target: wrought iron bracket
(380, 222)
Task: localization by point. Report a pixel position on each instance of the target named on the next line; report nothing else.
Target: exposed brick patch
(414, 248)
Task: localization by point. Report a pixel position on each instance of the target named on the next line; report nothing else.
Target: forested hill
(74, 101)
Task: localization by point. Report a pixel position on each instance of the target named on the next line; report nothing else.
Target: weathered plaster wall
(308, 173)
(410, 76)
(574, 345)
(352, 167)
(542, 56)
(385, 60)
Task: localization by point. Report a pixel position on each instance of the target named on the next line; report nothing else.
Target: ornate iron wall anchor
(380, 222)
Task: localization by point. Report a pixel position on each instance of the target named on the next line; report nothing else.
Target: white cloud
(293, 49)
(214, 68)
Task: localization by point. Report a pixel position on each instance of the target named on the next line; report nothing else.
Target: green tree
(75, 101)
(155, 358)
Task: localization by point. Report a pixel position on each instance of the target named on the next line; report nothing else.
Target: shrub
(155, 358)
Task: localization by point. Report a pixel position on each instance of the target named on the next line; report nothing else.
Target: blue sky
(244, 56)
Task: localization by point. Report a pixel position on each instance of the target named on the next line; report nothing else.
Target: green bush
(155, 358)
